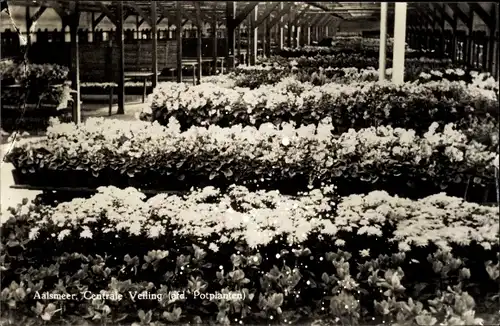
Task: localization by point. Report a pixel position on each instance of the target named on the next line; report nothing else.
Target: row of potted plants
(355, 60)
(354, 105)
(31, 94)
(254, 76)
(251, 257)
(149, 156)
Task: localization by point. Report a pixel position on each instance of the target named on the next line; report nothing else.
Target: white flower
(459, 72)
(339, 243)
(364, 253)
(33, 234)
(63, 234)
(213, 247)
(86, 233)
(285, 141)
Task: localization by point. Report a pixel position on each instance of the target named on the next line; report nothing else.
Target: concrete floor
(11, 197)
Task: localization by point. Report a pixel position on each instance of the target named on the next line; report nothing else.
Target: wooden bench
(142, 75)
(111, 85)
(193, 64)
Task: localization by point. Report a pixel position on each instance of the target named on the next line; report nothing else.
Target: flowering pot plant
(357, 105)
(145, 155)
(32, 86)
(363, 259)
(254, 76)
(355, 60)
(34, 75)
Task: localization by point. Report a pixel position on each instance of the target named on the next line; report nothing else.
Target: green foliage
(337, 274)
(355, 105)
(111, 152)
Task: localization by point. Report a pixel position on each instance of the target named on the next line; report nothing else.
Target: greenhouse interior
(249, 163)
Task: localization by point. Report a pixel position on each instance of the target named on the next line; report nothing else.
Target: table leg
(110, 100)
(144, 92)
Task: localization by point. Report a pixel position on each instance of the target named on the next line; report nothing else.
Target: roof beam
(244, 13)
(432, 14)
(267, 13)
(461, 15)
(286, 9)
(300, 15)
(443, 13)
(322, 20)
(107, 12)
(37, 14)
(426, 17)
(485, 17)
(145, 16)
(304, 19)
(198, 20)
(320, 6)
(98, 20)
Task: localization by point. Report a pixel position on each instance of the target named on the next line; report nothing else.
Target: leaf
(212, 175)
(227, 173)
(276, 300)
(325, 278)
(39, 308)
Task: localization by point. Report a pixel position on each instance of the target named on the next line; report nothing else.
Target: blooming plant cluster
(367, 46)
(355, 105)
(36, 83)
(26, 73)
(362, 259)
(356, 60)
(111, 152)
(254, 76)
(297, 191)
(39, 87)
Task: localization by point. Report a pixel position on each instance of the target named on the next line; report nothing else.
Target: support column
(199, 44)
(383, 41)
(254, 31)
(230, 49)
(308, 35)
(238, 42)
(289, 31)
(454, 38)
(442, 36)
(214, 40)
(75, 69)
(281, 32)
(491, 38)
(398, 59)
(137, 26)
(264, 39)
(178, 35)
(298, 30)
(470, 43)
(249, 40)
(154, 36)
(121, 58)
(268, 38)
(28, 26)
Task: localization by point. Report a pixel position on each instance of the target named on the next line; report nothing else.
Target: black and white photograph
(249, 163)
